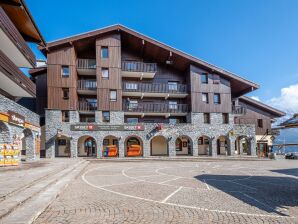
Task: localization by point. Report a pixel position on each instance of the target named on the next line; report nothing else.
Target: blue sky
(254, 39)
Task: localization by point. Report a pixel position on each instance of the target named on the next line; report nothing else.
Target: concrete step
(26, 205)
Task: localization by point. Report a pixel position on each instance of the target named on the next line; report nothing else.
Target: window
(65, 116)
(149, 121)
(173, 121)
(104, 52)
(204, 78)
(225, 118)
(133, 104)
(106, 116)
(113, 95)
(65, 71)
(260, 123)
(216, 79)
(105, 73)
(206, 118)
(65, 93)
(216, 98)
(132, 120)
(130, 85)
(61, 141)
(173, 105)
(173, 86)
(205, 97)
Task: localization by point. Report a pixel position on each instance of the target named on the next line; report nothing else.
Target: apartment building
(116, 92)
(19, 126)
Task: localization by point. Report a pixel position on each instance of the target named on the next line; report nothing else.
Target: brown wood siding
(113, 63)
(56, 82)
(197, 88)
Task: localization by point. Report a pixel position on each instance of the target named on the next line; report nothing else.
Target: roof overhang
(20, 15)
(273, 111)
(157, 51)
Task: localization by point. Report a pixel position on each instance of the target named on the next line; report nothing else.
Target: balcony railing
(155, 108)
(86, 63)
(239, 110)
(87, 106)
(154, 87)
(87, 85)
(135, 66)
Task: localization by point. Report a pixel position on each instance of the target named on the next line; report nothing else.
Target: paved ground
(180, 192)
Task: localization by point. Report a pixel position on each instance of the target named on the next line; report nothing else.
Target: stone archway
(87, 146)
(110, 145)
(159, 146)
(184, 145)
(242, 145)
(223, 145)
(204, 145)
(133, 146)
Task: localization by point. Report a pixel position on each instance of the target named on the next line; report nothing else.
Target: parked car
(292, 155)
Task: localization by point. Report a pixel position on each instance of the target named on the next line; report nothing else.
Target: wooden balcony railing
(87, 106)
(154, 87)
(86, 85)
(86, 63)
(12, 32)
(239, 110)
(155, 107)
(136, 66)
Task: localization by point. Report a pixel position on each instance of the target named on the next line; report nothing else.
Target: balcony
(154, 90)
(155, 109)
(86, 87)
(86, 66)
(239, 110)
(86, 107)
(135, 69)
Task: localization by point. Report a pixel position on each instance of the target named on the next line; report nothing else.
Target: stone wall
(193, 130)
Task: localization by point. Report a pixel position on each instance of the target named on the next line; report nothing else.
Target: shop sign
(16, 118)
(95, 127)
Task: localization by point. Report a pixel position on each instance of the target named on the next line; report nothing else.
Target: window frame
(173, 105)
(102, 73)
(102, 55)
(105, 116)
(260, 123)
(172, 84)
(207, 98)
(65, 75)
(64, 117)
(206, 115)
(113, 91)
(204, 74)
(130, 122)
(225, 118)
(219, 98)
(64, 90)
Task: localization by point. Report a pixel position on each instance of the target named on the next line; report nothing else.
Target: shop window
(260, 123)
(204, 78)
(207, 118)
(65, 116)
(65, 93)
(104, 52)
(132, 120)
(216, 98)
(205, 97)
(113, 95)
(65, 71)
(225, 118)
(105, 73)
(106, 116)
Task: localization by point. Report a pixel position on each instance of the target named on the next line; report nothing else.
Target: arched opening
(27, 143)
(223, 145)
(110, 146)
(62, 146)
(183, 145)
(159, 146)
(204, 145)
(242, 145)
(86, 146)
(4, 134)
(133, 146)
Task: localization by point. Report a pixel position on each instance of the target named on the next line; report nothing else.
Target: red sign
(90, 127)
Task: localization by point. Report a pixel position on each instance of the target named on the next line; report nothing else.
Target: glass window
(216, 98)
(65, 116)
(173, 86)
(205, 97)
(105, 73)
(65, 71)
(206, 118)
(260, 123)
(133, 104)
(204, 78)
(216, 79)
(106, 116)
(104, 52)
(65, 93)
(173, 121)
(113, 95)
(130, 85)
(225, 118)
(173, 105)
(132, 120)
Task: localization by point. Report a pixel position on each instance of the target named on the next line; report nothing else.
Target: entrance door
(262, 149)
(90, 147)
